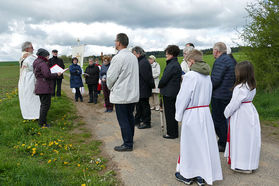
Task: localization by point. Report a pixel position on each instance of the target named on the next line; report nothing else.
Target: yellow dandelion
(59, 140)
(29, 147)
(97, 162)
(83, 184)
(65, 163)
(39, 133)
(49, 161)
(34, 149)
(23, 145)
(78, 165)
(18, 164)
(44, 144)
(55, 159)
(41, 154)
(36, 145)
(70, 145)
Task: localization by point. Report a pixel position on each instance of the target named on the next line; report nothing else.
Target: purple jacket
(44, 83)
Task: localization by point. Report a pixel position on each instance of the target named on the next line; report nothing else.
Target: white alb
(28, 100)
(199, 154)
(245, 129)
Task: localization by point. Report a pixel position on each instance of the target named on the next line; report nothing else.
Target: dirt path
(153, 160)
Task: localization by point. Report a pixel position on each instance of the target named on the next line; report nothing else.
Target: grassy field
(31, 155)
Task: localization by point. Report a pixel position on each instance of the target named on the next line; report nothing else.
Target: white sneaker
(157, 108)
(152, 108)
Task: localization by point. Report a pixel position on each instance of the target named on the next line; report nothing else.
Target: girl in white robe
(28, 100)
(199, 154)
(244, 133)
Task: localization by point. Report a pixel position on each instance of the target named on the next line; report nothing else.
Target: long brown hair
(244, 73)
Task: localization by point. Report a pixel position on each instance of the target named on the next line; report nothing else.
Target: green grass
(9, 74)
(31, 155)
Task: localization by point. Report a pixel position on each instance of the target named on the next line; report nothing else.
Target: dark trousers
(125, 117)
(45, 105)
(57, 82)
(106, 92)
(172, 124)
(143, 112)
(78, 94)
(220, 122)
(93, 93)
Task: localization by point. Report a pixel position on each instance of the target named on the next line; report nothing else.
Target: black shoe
(144, 126)
(169, 137)
(76, 100)
(123, 148)
(200, 181)
(109, 111)
(137, 124)
(90, 101)
(180, 178)
(221, 148)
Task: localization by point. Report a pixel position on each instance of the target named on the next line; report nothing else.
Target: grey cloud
(135, 14)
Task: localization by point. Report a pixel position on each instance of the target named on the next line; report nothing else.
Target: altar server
(244, 132)
(199, 156)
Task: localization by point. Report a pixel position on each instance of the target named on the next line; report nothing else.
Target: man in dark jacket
(223, 79)
(146, 83)
(58, 81)
(169, 87)
(92, 78)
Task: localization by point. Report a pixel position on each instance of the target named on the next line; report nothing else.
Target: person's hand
(25, 56)
(59, 73)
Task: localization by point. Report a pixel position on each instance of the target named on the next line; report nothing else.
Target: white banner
(78, 52)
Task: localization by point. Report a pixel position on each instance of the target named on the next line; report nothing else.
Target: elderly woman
(184, 65)
(44, 83)
(169, 87)
(156, 70)
(92, 78)
(75, 78)
(103, 78)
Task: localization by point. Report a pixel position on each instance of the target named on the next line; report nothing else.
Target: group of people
(36, 83)
(188, 90)
(95, 78)
(130, 78)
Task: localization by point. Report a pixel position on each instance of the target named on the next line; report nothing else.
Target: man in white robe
(199, 155)
(28, 100)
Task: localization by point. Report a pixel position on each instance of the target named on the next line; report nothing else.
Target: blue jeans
(126, 120)
(220, 122)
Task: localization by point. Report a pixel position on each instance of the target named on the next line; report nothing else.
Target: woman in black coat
(169, 87)
(92, 78)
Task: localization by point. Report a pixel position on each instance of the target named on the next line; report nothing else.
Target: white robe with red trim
(245, 130)
(199, 154)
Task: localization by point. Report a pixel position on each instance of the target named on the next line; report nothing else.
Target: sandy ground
(153, 160)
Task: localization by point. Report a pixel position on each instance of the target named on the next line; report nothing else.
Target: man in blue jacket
(223, 79)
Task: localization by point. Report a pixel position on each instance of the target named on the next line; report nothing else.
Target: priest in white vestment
(244, 133)
(199, 158)
(28, 100)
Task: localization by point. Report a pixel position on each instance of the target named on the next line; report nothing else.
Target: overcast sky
(151, 24)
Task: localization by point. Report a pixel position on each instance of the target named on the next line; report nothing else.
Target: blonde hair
(194, 54)
(221, 47)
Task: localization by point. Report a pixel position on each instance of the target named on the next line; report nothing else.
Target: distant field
(9, 74)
